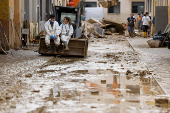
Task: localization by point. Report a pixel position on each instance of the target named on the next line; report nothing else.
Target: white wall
(125, 11)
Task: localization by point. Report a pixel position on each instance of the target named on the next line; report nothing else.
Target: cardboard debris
(89, 28)
(95, 33)
(107, 4)
(106, 25)
(108, 33)
(92, 20)
(100, 30)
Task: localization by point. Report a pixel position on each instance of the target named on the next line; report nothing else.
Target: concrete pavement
(156, 59)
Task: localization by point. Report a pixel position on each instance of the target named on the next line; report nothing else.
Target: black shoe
(49, 48)
(55, 48)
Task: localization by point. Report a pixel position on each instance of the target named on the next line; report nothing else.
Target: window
(90, 4)
(137, 7)
(71, 15)
(114, 9)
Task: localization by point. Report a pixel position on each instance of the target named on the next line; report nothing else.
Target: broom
(6, 38)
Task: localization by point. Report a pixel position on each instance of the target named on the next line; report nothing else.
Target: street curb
(130, 45)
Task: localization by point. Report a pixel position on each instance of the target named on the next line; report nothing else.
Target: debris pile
(100, 29)
(159, 40)
(113, 24)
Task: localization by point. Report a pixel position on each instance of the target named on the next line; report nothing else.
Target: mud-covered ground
(111, 79)
(156, 59)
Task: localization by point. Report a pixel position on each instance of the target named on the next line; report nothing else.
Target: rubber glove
(52, 37)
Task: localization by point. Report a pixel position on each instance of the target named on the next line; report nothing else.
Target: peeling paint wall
(4, 9)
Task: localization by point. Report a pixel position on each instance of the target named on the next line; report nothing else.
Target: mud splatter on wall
(4, 9)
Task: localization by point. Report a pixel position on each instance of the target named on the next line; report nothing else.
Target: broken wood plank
(92, 20)
(3, 51)
(118, 26)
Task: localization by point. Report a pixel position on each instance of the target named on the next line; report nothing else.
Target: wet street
(111, 79)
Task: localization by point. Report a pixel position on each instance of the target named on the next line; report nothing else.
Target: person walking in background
(130, 22)
(149, 28)
(142, 15)
(135, 19)
(146, 23)
(139, 20)
(153, 21)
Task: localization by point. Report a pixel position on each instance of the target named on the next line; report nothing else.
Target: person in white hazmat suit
(66, 31)
(53, 30)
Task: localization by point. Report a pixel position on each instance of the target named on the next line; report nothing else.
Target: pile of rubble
(100, 29)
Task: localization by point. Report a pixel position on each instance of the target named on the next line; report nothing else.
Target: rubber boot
(49, 48)
(55, 49)
(144, 34)
(66, 45)
(67, 48)
(63, 48)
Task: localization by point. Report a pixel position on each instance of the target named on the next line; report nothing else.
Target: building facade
(16, 15)
(10, 17)
(169, 11)
(34, 13)
(122, 11)
(151, 6)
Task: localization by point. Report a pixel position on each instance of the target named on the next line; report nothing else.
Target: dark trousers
(145, 28)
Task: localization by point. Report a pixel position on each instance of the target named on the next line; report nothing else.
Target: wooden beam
(3, 51)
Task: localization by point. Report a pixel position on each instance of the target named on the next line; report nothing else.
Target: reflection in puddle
(113, 93)
(127, 90)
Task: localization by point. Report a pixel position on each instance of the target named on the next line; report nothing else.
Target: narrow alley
(111, 78)
(83, 56)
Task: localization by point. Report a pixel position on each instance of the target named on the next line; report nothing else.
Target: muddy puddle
(112, 84)
(116, 92)
(112, 80)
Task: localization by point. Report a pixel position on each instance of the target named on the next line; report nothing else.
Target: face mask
(52, 20)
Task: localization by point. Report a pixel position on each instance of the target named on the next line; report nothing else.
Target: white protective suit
(52, 31)
(64, 28)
